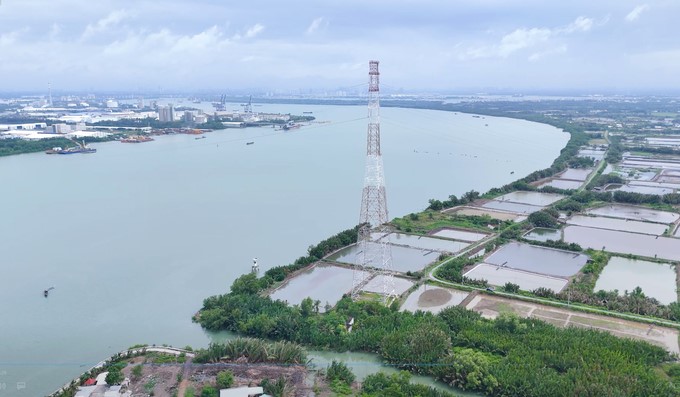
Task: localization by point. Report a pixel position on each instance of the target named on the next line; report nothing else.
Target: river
(134, 237)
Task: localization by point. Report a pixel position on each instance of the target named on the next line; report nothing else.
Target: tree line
(508, 356)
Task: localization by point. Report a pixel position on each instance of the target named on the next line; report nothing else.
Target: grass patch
(427, 221)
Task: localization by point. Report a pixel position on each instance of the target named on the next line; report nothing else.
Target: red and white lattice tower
(374, 259)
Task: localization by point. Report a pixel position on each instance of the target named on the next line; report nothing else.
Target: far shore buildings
(166, 113)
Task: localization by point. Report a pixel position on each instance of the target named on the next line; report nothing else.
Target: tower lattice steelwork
(375, 256)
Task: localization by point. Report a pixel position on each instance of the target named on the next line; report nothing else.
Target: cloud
(9, 38)
(55, 30)
(526, 38)
(254, 30)
(113, 19)
(250, 32)
(316, 24)
(637, 11)
(536, 56)
(581, 24)
(522, 38)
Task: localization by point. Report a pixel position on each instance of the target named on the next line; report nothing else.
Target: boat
(307, 112)
(249, 143)
(136, 139)
(290, 126)
(200, 137)
(77, 149)
(54, 150)
(81, 148)
(47, 291)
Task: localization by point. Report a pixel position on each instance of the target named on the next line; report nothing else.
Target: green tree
(246, 284)
(114, 377)
(340, 372)
(209, 391)
(225, 379)
(542, 219)
(511, 287)
(416, 348)
(306, 307)
(468, 369)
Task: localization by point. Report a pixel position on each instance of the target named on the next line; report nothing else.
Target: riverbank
(122, 197)
(401, 334)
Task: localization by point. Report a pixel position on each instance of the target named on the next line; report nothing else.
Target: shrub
(225, 379)
(340, 372)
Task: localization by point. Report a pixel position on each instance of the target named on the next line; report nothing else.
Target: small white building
(242, 392)
(24, 126)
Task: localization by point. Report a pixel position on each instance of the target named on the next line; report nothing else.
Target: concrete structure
(61, 128)
(233, 124)
(273, 117)
(24, 126)
(85, 391)
(166, 113)
(242, 392)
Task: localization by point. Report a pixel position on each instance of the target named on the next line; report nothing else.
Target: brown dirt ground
(434, 297)
(300, 379)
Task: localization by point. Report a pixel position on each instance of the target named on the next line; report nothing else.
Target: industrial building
(166, 113)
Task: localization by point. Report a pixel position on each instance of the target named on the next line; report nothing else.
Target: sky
(423, 45)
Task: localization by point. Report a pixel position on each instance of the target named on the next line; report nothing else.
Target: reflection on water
(527, 281)
(657, 280)
(576, 174)
(624, 243)
(427, 243)
(656, 229)
(512, 207)
(364, 364)
(460, 234)
(543, 234)
(563, 184)
(324, 283)
(538, 259)
(403, 258)
(532, 198)
(636, 213)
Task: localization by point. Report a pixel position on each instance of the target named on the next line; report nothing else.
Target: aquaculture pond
(623, 242)
(403, 258)
(563, 184)
(543, 234)
(426, 243)
(538, 259)
(324, 283)
(457, 234)
(635, 213)
(376, 284)
(527, 281)
(509, 206)
(645, 189)
(626, 225)
(657, 280)
(576, 174)
(433, 299)
(532, 198)
(476, 211)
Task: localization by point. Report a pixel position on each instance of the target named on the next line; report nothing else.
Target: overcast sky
(446, 45)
